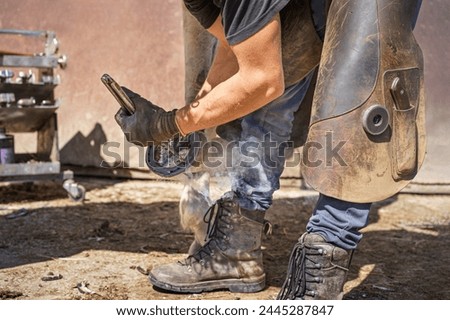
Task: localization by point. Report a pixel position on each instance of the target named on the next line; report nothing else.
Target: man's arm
(243, 78)
(223, 67)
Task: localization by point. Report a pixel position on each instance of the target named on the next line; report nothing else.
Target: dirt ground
(54, 248)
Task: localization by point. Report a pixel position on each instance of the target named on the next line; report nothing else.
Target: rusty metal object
(370, 78)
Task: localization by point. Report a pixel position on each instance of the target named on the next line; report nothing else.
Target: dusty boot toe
(170, 277)
(231, 258)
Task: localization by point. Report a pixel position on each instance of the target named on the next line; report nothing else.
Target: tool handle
(121, 97)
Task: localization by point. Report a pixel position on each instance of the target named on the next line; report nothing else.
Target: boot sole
(234, 285)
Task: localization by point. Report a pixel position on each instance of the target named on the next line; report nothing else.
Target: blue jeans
(258, 158)
(258, 161)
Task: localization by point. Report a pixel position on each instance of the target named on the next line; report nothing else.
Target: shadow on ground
(391, 263)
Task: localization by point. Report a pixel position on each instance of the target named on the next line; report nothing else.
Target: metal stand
(28, 105)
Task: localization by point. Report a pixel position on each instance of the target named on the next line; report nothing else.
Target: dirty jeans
(258, 161)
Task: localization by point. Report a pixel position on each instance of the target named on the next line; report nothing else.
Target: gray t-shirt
(241, 18)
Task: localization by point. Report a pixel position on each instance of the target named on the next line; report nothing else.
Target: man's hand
(149, 124)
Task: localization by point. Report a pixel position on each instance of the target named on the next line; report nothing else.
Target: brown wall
(140, 43)
(432, 33)
(137, 42)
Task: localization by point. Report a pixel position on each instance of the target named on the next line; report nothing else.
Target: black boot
(317, 270)
(230, 259)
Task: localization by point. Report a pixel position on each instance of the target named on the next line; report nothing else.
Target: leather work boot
(317, 270)
(230, 259)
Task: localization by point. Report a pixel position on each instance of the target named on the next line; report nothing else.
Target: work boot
(230, 259)
(317, 270)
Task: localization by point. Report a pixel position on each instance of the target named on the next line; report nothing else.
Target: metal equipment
(176, 156)
(28, 104)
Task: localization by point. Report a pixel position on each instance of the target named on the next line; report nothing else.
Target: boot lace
(214, 232)
(299, 272)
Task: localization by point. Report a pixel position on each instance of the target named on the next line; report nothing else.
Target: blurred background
(141, 45)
